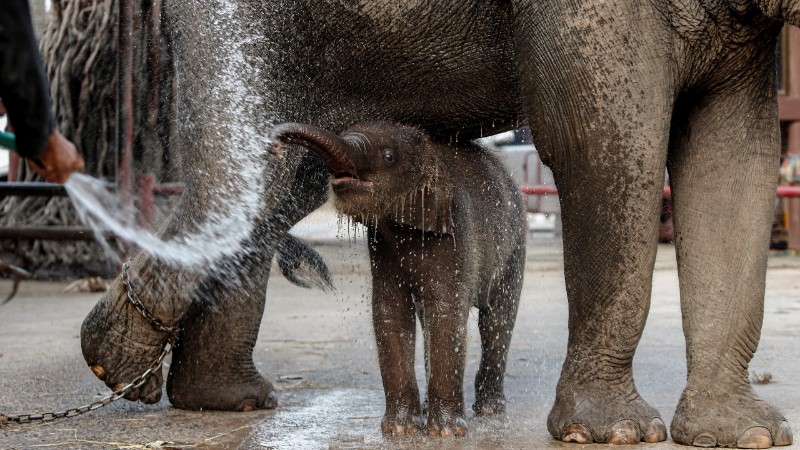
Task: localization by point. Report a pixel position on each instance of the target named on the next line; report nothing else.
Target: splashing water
(104, 211)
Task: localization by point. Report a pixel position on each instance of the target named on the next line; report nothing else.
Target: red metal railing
(782, 191)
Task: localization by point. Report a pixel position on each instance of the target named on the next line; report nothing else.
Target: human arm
(24, 89)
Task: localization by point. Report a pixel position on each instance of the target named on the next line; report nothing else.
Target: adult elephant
(614, 92)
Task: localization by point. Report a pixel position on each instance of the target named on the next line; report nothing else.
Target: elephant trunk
(328, 146)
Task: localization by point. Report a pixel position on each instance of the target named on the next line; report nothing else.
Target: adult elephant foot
(197, 385)
(604, 415)
(446, 420)
(212, 365)
(748, 421)
(119, 344)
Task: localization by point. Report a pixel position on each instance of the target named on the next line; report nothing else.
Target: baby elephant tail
(302, 265)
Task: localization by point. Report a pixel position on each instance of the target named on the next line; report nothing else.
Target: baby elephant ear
(428, 209)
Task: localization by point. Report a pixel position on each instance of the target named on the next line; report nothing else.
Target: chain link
(118, 394)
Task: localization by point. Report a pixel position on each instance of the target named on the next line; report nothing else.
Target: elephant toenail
(656, 432)
(577, 433)
(705, 440)
(99, 372)
(271, 401)
(247, 406)
(625, 432)
(756, 437)
(118, 386)
(784, 435)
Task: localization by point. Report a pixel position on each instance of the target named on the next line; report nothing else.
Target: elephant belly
(447, 66)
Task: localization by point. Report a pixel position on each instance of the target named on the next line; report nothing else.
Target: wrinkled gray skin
(614, 91)
(446, 231)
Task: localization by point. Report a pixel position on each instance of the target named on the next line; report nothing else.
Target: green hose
(8, 141)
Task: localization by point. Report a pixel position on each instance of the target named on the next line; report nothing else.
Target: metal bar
(788, 191)
(538, 190)
(782, 191)
(32, 189)
(74, 233)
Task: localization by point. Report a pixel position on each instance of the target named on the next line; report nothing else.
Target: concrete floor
(318, 350)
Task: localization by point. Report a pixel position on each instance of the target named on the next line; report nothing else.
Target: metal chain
(116, 395)
(134, 299)
(105, 401)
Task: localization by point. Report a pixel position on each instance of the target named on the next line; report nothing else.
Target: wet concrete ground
(318, 350)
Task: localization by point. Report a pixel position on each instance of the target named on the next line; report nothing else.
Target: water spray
(104, 211)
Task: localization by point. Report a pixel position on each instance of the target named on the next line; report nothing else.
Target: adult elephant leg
(723, 172)
(597, 103)
(609, 207)
(212, 365)
(222, 127)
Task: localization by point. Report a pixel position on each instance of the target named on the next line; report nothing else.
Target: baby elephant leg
(395, 328)
(496, 323)
(446, 313)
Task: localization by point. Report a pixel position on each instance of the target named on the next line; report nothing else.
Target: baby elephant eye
(388, 156)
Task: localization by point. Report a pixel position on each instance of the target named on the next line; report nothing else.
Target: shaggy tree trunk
(79, 49)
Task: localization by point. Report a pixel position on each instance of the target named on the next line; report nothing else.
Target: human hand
(58, 160)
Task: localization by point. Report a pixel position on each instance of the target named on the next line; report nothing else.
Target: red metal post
(125, 104)
(13, 166)
(146, 205)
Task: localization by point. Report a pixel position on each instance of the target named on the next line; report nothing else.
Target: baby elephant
(446, 232)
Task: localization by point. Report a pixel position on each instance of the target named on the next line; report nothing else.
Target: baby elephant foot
(601, 416)
(401, 423)
(490, 405)
(742, 420)
(445, 421)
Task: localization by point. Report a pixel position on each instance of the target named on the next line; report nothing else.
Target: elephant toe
(705, 440)
(656, 432)
(252, 404)
(756, 437)
(577, 434)
(784, 435)
(625, 432)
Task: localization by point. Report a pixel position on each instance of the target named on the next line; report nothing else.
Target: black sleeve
(23, 84)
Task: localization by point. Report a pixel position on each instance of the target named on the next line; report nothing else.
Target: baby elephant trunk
(328, 146)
